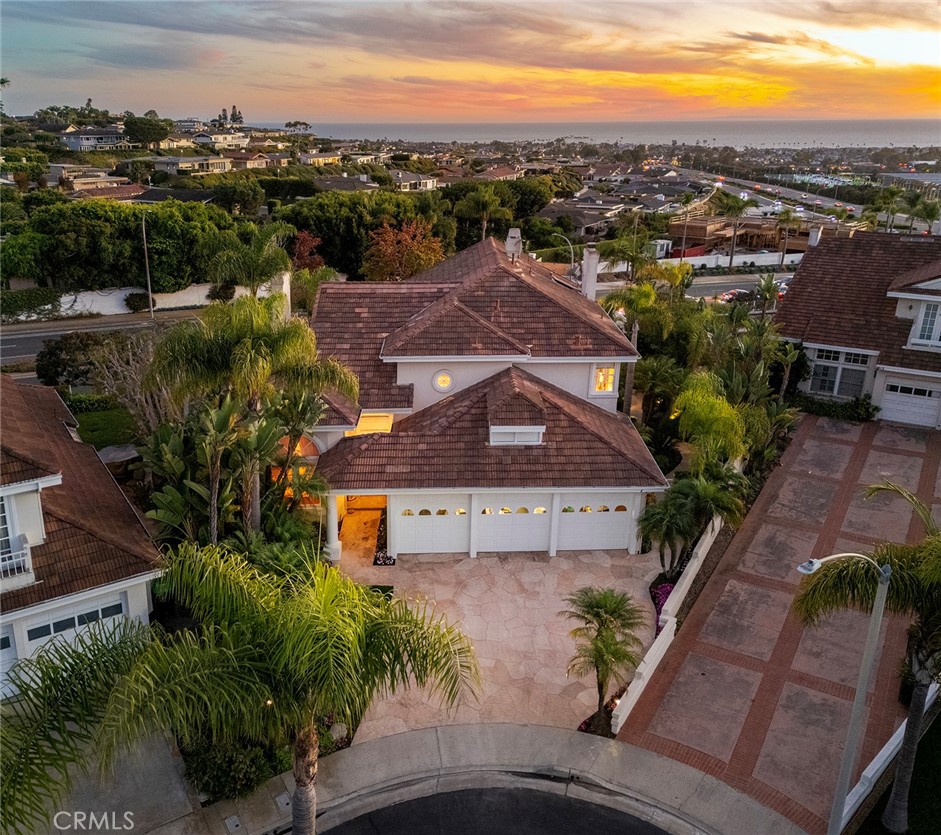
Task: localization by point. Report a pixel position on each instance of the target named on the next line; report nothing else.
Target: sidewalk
(746, 693)
(118, 321)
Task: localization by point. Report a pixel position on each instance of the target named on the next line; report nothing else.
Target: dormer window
(603, 379)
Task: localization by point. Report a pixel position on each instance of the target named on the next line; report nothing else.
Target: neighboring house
(222, 140)
(121, 193)
(408, 181)
(190, 125)
(279, 160)
(192, 165)
(488, 415)
(244, 160)
(72, 549)
(175, 141)
(587, 222)
(319, 159)
(500, 173)
(184, 195)
(363, 159)
(96, 139)
(867, 311)
(344, 183)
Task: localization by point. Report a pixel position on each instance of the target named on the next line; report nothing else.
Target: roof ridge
(28, 459)
(82, 525)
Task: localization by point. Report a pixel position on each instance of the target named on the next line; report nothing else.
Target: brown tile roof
(910, 280)
(447, 445)
(109, 193)
(351, 321)
(93, 535)
(838, 295)
(339, 411)
(18, 468)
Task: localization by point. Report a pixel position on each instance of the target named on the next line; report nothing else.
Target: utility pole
(150, 295)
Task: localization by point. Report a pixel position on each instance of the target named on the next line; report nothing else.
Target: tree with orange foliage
(397, 254)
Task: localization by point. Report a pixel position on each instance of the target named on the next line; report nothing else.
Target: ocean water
(901, 133)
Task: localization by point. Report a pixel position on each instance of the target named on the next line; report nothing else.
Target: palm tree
(220, 431)
(787, 220)
(631, 303)
(252, 262)
(686, 199)
(481, 206)
(915, 592)
(735, 207)
(929, 211)
(244, 348)
(607, 640)
(888, 200)
(658, 378)
(912, 200)
(270, 655)
(672, 525)
(767, 292)
(705, 499)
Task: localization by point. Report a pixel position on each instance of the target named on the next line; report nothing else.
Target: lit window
(443, 381)
(604, 379)
(585, 509)
(487, 511)
(620, 509)
(522, 510)
(505, 511)
(539, 510)
(460, 512)
(424, 512)
(602, 508)
(408, 512)
(568, 509)
(441, 512)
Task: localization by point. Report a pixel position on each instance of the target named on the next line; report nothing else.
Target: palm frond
(921, 509)
(63, 692)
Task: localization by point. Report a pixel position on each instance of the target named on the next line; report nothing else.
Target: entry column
(334, 546)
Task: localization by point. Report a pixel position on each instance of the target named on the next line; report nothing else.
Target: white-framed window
(928, 328)
(839, 373)
(443, 380)
(516, 437)
(603, 379)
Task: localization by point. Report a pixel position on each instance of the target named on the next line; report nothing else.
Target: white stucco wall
(574, 377)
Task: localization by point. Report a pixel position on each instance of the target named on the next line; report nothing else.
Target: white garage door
(429, 524)
(905, 401)
(514, 522)
(594, 521)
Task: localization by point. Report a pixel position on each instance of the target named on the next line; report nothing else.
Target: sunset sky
(358, 61)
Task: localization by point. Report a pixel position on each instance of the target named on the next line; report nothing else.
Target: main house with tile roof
(488, 416)
(72, 549)
(867, 311)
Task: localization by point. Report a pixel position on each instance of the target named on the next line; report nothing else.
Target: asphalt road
(496, 812)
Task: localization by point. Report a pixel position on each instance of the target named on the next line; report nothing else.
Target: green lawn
(924, 806)
(101, 429)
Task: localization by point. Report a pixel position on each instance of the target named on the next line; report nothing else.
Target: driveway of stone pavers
(746, 692)
(508, 605)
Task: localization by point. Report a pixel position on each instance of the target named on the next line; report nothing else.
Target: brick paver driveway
(745, 693)
(508, 605)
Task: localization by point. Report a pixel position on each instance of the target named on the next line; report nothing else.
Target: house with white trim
(488, 413)
(72, 549)
(867, 310)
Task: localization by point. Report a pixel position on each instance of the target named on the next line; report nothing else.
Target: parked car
(737, 295)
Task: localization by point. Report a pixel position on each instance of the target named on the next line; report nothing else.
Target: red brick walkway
(746, 693)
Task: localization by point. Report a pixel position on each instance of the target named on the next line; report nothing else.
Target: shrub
(225, 771)
(221, 292)
(859, 409)
(137, 302)
(29, 303)
(67, 360)
(81, 403)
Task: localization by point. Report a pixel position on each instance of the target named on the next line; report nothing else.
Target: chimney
(590, 271)
(514, 244)
(814, 237)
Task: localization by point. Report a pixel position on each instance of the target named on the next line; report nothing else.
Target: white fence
(768, 259)
(658, 648)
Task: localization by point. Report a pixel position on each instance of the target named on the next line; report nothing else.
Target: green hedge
(859, 409)
(137, 302)
(80, 403)
(31, 302)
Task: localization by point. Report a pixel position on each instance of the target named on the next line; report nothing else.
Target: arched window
(602, 508)
(487, 511)
(408, 512)
(424, 512)
(539, 510)
(460, 512)
(568, 509)
(620, 509)
(505, 511)
(442, 511)
(585, 509)
(522, 510)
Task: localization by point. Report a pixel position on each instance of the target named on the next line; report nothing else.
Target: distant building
(319, 159)
(192, 165)
(221, 140)
(245, 160)
(407, 181)
(344, 183)
(96, 139)
(190, 125)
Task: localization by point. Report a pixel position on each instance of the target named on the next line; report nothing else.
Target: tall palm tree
(251, 260)
(929, 211)
(220, 431)
(658, 378)
(888, 200)
(787, 220)
(685, 200)
(766, 292)
(270, 655)
(481, 206)
(244, 348)
(631, 303)
(914, 591)
(607, 639)
(735, 208)
(912, 200)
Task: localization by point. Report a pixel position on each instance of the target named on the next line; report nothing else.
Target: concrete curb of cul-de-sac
(406, 766)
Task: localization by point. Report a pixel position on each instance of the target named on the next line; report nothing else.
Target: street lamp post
(854, 734)
(571, 252)
(150, 295)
